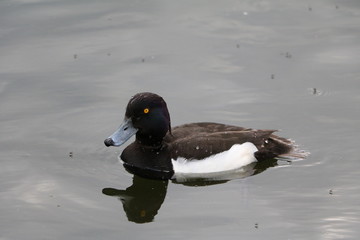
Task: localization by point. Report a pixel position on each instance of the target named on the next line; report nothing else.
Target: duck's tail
(279, 147)
(287, 148)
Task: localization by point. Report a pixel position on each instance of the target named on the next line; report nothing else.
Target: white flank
(239, 155)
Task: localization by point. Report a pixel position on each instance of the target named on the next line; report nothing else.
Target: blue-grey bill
(123, 133)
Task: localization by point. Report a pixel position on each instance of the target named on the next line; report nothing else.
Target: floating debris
(256, 225)
(237, 45)
(75, 56)
(316, 91)
(286, 54)
(272, 76)
(331, 192)
(71, 154)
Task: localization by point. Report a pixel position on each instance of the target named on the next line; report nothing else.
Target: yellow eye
(146, 110)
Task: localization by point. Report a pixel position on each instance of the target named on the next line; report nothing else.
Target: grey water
(68, 69)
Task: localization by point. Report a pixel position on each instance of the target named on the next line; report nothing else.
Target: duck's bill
(122, 134)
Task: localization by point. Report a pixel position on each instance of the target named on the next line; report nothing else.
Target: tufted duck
(162, 152)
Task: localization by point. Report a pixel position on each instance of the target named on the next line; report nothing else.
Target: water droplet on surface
(197, 147)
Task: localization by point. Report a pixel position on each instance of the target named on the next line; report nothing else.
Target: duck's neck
(149, 141)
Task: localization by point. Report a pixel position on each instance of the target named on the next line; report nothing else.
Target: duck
(162, 152)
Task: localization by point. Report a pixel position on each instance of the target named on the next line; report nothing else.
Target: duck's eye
(146, 110)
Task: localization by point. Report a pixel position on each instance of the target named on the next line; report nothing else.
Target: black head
(147, 116)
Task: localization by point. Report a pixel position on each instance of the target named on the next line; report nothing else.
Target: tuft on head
(141, 100)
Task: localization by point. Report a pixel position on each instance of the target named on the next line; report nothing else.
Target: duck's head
(146, 116)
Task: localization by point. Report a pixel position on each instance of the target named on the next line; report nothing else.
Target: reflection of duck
(197, 149)
(143, 199)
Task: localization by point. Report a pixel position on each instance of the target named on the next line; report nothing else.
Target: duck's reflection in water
(143, 199)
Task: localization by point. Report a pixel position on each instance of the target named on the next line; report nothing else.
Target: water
(68, 69)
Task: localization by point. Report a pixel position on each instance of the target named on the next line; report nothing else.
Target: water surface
(68, 69)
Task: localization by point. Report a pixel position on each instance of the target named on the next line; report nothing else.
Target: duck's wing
(199, 144)
(204, 127)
